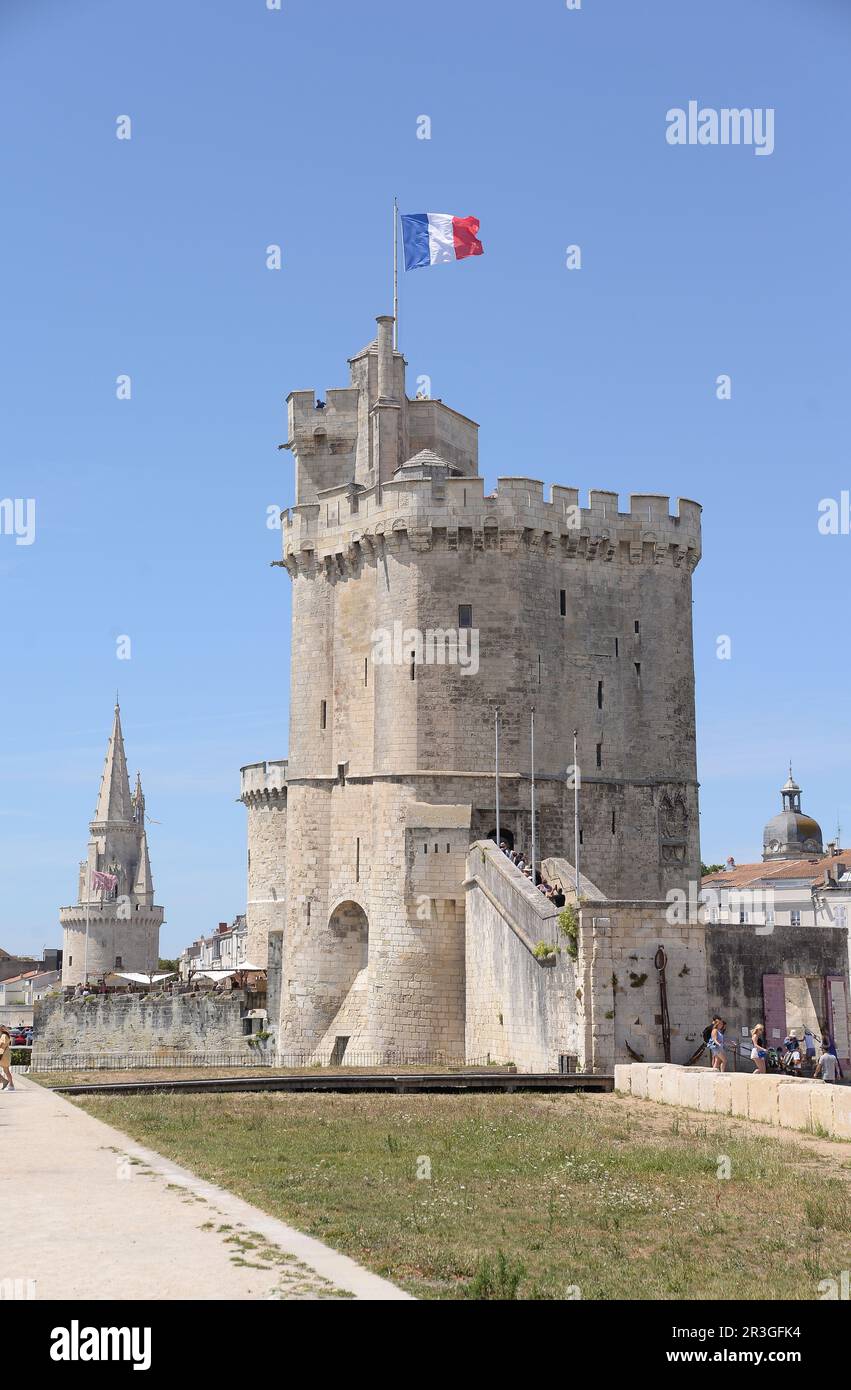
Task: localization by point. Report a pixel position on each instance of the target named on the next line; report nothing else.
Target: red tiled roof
(774, 869)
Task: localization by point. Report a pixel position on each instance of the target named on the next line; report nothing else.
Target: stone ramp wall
(814, 1107)
(519, 1009)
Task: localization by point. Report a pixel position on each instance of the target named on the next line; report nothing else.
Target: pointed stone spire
(114, 801)
(143, 888)
(139, 802)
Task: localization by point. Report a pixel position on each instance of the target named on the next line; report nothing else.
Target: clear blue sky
(296, 127)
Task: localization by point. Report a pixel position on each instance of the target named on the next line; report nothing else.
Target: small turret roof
(426, 457)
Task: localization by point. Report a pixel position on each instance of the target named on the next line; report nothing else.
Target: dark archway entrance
(506, 837)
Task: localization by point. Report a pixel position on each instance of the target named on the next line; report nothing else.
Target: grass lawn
(529, 1197)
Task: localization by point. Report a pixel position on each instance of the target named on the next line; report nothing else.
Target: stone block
(821, 1107)
(764, 1098)
(623, 1079)
(671, 1084)
(655, 1072)
(638, 1079)
(688, 1088)
(739, 1091)
(841, 1111)
(716, 1092)
(794, 1104)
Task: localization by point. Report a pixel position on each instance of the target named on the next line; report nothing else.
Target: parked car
(19, 1037)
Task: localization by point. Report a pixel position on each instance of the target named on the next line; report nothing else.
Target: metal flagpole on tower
(496, 774)
(576, 810)
(395, 274)
(86, 951)
(533, 797)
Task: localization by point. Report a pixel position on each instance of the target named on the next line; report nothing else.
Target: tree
(710, 869)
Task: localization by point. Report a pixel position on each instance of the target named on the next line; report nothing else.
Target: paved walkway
(91, 1214)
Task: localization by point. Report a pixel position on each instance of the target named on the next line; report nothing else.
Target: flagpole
(534, 847)
(86, 951)
(496, 775)
(395, 274)
(576, 809)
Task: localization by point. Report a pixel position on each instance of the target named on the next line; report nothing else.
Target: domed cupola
(791, 835)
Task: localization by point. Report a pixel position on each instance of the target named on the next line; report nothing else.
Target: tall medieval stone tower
(113, 927)
(420, 605)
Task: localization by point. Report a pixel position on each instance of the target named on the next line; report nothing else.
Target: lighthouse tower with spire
(114, 924)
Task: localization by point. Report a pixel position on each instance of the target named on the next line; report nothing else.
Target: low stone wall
(118, 1024)
(813, 1107)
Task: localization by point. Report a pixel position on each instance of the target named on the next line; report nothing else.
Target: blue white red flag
(432, 238)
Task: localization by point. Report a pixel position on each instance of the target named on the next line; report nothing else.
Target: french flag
(431, 238)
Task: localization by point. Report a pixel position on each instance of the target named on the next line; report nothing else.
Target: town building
(226, 949)
(792, 909)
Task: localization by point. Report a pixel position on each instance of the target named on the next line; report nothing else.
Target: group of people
(549, 890)
(793, 1055)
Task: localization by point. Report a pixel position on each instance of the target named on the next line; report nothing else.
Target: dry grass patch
(528, 1197)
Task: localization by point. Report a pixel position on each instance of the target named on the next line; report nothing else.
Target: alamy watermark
(726, 907)
(727, 125)
(17, 518)
(432, 646)
(835, 515)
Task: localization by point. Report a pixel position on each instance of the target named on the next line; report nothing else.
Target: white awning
(136, 979)
(217, 972)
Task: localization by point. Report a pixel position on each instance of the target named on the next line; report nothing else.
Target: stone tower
(420, 605)
(263, 792)
(115, 912)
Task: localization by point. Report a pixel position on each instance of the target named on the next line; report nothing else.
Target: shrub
(568, 925)
(499, 1279)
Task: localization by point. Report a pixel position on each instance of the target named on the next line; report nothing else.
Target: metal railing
(155, 1061)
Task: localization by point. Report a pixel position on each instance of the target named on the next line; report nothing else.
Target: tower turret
(114, 925)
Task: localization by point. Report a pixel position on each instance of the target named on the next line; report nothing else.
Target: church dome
(791, 834)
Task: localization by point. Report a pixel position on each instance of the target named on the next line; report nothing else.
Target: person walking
(717, 1045)
(6, 1059)
(759, 1051)
(827, 1065)
(827, 1040)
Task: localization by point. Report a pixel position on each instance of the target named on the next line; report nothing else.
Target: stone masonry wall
(127, 1023)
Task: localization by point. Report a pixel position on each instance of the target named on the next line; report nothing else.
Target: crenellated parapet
(347, 527)
(264, 784)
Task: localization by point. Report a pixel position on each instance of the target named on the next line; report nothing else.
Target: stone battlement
(263, 782)
(455, 512)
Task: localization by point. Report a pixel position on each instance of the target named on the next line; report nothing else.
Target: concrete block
(688, 1088)
(623, 1079)
(716, 1092)
(739, 1088)
(821, 1107)
(671, 1084)
(638, 1079)
(794, 1104)
(764, 1098)
(841, 1111)
(655, 1072)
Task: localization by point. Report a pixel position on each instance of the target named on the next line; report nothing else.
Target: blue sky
(296, 127)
